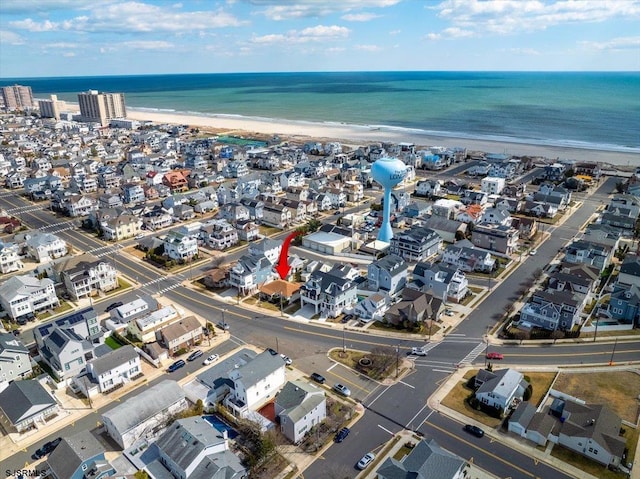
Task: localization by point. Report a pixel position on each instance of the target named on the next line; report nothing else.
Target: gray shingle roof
(113, 359)
(427, 460)
(259, 368)
(22, 397)
(72, 452)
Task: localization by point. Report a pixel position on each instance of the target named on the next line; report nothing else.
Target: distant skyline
(45, 38)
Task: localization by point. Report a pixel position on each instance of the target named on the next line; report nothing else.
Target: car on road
(319, 378)
(418, 352)
(494, 355)
(47, 448)
(336, 212)
(175, 366)
(115, 305)
(16, 332)
(366, 460)
(342, 434)
(194, 355)
(475, 430)
(533, 252)
(211, 359)
(139, 236)
(342, 389)
(224, 326)
(272, 351)
(287, 360)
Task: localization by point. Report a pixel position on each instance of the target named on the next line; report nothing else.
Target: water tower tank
(388, 172)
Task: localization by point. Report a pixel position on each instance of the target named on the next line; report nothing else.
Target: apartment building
(100, 107)
(17, 97)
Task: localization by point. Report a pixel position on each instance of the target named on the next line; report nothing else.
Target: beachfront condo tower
(17, 97)
(101, 107)
(50, 108)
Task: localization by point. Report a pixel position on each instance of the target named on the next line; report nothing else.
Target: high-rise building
(101, 107)
(17, 97)
(50, 108)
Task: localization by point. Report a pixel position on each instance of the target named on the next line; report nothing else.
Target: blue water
(220, 425)
(598, 110)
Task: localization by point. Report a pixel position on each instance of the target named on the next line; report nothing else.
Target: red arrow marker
(283, 267)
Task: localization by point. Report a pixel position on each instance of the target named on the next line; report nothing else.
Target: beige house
(184, 333)
(122, 227)
(144, 328)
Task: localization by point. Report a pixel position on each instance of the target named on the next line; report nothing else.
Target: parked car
(347, 318)
(194, 355)
(533, 252)
(224, 326)
(177, 365)
(115, 305)
(342, 434)
(366, 460)
(342, 389)
(272, 351)
(418, 352)
(287, 360)
(319, 378)
(16, 332)
(336, 212)
(475, 430)
(211, 359)
(47, 448)
(448, 312)
(138, 236)
(494, 355)
(21, 320)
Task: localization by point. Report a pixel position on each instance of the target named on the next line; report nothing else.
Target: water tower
(388, 172)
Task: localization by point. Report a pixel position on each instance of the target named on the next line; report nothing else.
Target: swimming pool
(221, 425)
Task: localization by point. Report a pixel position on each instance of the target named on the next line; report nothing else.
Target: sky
(45, 38)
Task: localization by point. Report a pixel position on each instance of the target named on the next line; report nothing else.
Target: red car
(495, 355)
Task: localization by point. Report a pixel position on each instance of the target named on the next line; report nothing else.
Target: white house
(114, 369)
(179, 246)
(499, 388)
(9, 258)
(45, 246)
(300, 406)
(492, 185)
(14, 359)
(24, 295)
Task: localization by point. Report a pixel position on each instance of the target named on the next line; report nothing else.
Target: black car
(475, 430)
(272, 351)
(21, 320)
(319, 378)
(342, 434)
(177, 365)
(115, 305)
(47, 448)
(194, 355)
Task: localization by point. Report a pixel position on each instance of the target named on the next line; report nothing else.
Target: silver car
(341, 389)
(367, 459)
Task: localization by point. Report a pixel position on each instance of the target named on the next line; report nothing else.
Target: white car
(533, 252)
(367, 459)
(138, 236)
(287, 360)
(418, 352)
(211, 359)
(342, 389)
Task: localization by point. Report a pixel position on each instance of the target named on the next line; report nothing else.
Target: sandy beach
(351, 134)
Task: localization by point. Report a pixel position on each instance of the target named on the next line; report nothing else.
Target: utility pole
(397, 360)
(595, 335)
(344, 345)
(615, 344)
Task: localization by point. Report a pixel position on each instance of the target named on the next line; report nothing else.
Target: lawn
(618, 389)
(351, 358)
(456, 400)
(112, 343)
(380, 326)
(541, 382)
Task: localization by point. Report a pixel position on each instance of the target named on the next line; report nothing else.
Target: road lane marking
(418, 413)
(407, 384)
(386, 430)
(332, 366)
(336, 336)
(343, 379)
(378, 396)
(448, 371)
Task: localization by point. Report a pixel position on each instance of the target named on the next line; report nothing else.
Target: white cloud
(394, 32)
(359, 17)
(46, 6)
(319, 33)
(368, 48)
(62, 45)
(523, 51)
(276, 10)
(148, 45)
(10, 38)
(136, 17)
(69, 54)
(504, 17)
(620, 43)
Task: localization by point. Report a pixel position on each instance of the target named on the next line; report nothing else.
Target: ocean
(589, 110)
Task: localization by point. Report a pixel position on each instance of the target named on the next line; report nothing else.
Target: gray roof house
(416, 244)
(499, 388)
(300, 406)
(192, 448)
(80, 456)
(427, 460)
(115, 368)
(14, 358)
(23, 404)
(145, 413)
(330, 292)
(388, 274)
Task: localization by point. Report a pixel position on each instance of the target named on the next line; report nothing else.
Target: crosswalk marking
(475, 352)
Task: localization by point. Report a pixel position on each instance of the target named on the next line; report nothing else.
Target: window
(84, 467)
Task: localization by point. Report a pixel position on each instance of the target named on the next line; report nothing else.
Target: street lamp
(397, 360)
(344, 345)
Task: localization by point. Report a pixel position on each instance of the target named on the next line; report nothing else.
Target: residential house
(446, 208)
(512, 205)
(298, 209)
(133, 193)
(44, 247)
(121, 227)
(23, 296)
(597, 255)
(624, 305)
(416, 307)
(417, 244)
(206, 455)
(179, 246)
(183, 212)
(133, 309)
(156, 219)
(416, 209)
(552, 310)
(592, 430)
(493, 237)
(235, 169)
(9, 259)
(219, 235)
(268, 248)
(14, 359)
(247, 230)
(300, 406)
(554, 172)
(441, 280)
(144, 327)
(428, 188)
(330, 292)
(492, 185)
(532, 425)
(574, 278)
(449, 230)
(588, 168)
(427, 460)
(279, 216)
(496, 216)
(472, 214)
(176, 181)
(112, 370)
(553, 195)
(500, 389)
(90, 278)
(26, 405)
(144, 414)
(249, 272)
(388, 274)
(109, 200)
(80, 456)
(472, 197)
(466, 257)
(526, 227)
(108, 177)
(373, 307)
(255, 383)
(539, 209)
(79, 205)
(234, 212)
(602, 234)
(183, 334)
(255, 208)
